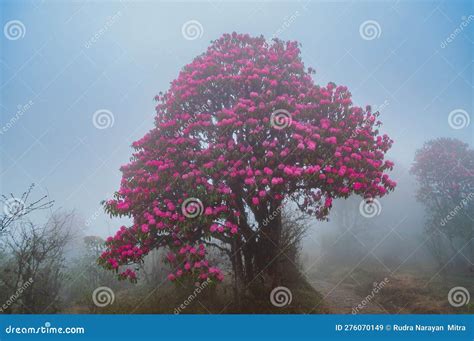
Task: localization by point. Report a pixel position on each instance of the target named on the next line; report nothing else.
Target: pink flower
(267, 171)
(249, 181)
(170, 257)
(277, 181)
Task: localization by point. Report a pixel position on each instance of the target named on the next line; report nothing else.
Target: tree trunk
(261, 257)
(272, 249)
(236, 260)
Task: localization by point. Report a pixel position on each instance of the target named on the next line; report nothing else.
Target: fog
(76, 60)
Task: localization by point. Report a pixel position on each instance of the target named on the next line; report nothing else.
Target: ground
(342, 298)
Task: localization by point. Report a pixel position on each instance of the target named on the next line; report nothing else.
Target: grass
(416, 293)
(169, 298)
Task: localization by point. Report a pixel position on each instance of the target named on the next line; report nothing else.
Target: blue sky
(67, 60)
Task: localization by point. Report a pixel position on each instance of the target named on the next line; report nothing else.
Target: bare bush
(35, 254)
(16, 208)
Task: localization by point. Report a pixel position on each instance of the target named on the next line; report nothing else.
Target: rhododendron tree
(241, 131)
(444, 168)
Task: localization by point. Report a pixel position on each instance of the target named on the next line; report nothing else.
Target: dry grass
(167, 297)
(409, 293)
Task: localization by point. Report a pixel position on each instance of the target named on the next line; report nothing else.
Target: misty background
(81, 57)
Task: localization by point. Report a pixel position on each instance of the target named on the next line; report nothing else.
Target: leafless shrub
(36, 253)
(15, 208)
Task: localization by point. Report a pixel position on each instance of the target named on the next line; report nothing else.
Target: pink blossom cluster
(213, 140)
(445, 169)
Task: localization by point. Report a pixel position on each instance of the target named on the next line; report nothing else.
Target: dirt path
(342, 299)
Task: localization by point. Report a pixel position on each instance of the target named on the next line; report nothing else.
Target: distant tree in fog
(84, 275)
(444, 168)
